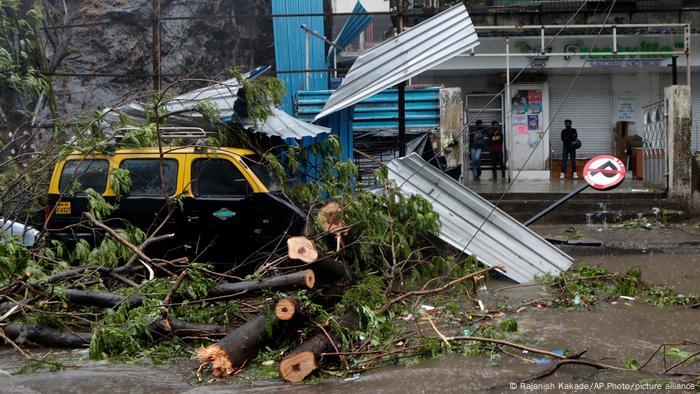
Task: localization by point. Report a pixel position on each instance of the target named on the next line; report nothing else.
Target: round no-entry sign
(604, 172)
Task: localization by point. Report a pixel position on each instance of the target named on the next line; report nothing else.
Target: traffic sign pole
(602, 172)
(556, 204)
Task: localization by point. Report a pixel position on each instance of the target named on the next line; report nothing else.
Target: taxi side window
(216, 178)
(145, 176)
(78, 175)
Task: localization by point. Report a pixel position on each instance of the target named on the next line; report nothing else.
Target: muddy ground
(612, 331)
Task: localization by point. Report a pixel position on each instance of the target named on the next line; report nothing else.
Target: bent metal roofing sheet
(501, 240)
(222, 96)
(419, 48)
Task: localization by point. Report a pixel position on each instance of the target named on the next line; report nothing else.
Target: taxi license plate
(63, 208)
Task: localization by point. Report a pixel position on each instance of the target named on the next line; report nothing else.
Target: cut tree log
(101, 299)
(302, 248)
(46, 336)
(231, 353)
(286, 308)
(291, 281)
(304, 359)
(181, 328)
(331, 217)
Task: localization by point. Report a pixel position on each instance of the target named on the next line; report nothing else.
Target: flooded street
(612, 332)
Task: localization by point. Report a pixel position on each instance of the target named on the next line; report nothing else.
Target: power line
(209, 17)
(541, 137)
(151, 75)
(478, 230)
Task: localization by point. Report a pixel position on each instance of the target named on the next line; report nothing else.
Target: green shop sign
(643, 47)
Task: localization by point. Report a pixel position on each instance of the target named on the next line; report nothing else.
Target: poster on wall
(626, 109)
(519, 119)
(534, 98)
(519, 103)
(520, 129)
(533, 122)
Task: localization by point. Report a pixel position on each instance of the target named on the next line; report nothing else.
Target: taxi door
(216, 210)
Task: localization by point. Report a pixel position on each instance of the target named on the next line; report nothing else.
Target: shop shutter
(589, 108)
(695, 93)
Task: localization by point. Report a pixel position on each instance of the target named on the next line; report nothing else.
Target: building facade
(595, 92)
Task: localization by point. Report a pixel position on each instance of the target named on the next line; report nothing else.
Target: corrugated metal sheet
(286, 126)
(352, 28)
(290, 46)
(589, 107)
(223, 97)
(502, 239)
(381, 110)
(408, 54)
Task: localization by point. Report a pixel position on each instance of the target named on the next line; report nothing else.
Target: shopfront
(594, 93)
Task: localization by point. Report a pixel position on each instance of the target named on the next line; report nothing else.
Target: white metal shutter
(695, 93)
(589, 108)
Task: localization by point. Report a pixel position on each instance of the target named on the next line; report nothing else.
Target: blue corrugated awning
(352, 28)
(381, 110)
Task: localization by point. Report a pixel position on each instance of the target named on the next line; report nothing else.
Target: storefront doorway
(529, 117)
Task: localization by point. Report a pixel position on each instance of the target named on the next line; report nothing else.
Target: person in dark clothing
(497, 149)
(476, 145)
(568, 136)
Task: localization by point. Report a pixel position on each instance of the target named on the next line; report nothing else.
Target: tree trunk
(302, 248)
(46, 336)
(330, 272)
(240, 346)
(286, 308)
(181, 328)
(283, 282)
(100, 299)
(303, 359)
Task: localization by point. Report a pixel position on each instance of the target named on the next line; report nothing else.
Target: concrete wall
(370, 5)
(680, 161)
(451, 122)
(638, 88)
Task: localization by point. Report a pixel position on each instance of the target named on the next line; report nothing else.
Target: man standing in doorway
(476, 144)
(497, 150)
(568, 137)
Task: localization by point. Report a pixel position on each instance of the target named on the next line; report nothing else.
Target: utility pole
(156, 45)
(401, 90)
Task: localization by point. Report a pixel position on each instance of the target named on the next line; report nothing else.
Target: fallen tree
(291, 281)
(231, 353)
(305, 358)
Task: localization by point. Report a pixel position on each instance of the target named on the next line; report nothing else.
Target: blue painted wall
(381, 110)
(290, 46)
(341, 124)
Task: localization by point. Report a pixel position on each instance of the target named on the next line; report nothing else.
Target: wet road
(612, 333)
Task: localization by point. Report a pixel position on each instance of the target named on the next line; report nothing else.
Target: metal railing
(654, 146)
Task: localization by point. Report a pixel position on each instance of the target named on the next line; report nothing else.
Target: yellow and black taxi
(229, 204)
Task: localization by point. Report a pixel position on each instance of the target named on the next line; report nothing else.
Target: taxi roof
(167, 150)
